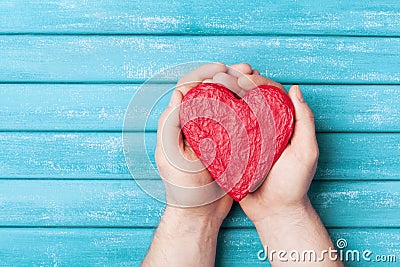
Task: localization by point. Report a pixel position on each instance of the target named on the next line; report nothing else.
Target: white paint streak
(65, 136)
(375, 19)
(154, 22)
(133, 71)
(71, 113)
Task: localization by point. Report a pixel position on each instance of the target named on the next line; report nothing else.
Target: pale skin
(280, 209)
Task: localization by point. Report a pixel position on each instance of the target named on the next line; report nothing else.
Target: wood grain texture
(69, 68)
(124, 204)
(102, 107)
(127, 247)
(200, 17)
(101, 156)
(287, 59)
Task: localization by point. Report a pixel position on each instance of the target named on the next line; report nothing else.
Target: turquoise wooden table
(69, 68)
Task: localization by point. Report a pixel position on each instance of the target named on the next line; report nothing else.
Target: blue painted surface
(69, 68)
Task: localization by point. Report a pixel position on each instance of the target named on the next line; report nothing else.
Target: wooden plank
(287, 59)
(124, 204)
(102, 107)
(200, 17)
(68, 107)
(127, 247)
(62, 155)
(100, 156)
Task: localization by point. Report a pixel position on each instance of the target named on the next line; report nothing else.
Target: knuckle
(312, 154)
(309, 112)
(185, 87)
(220, 75)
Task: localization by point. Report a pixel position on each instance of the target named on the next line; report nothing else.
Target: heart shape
(238, 140)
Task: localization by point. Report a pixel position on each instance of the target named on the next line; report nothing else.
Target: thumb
(169, 130)
(303, 138)
(170, 142)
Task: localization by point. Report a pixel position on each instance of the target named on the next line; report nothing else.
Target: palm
(187, 188)
(289, 179)
(210, 207)
(282, 186)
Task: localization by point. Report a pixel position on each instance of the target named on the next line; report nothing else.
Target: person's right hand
(286, 186)
(284, 191)
(280, 209)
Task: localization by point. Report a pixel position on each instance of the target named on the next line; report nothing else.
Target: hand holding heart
(183, 188)
(288, 181)
(280, 209)
(286, 186)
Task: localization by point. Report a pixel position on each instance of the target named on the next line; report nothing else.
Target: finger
(248, 82)
(169, 129)
(229, 82)
(238, 70)
(170, 143)
(198, 75)
(208, 81)
(255, 72)
(304, 137)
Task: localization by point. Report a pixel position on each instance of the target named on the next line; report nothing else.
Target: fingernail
(174, 101)
(299, 94)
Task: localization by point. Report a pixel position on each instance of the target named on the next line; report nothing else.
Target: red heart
(238, 140)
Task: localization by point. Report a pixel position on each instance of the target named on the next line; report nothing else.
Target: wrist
(283, 221)
(288, 213)
(183, 238)
(190, 221)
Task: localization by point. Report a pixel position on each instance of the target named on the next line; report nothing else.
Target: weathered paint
(42, 203)
(69, 68)
(93, 155)
(287, 59)
(376, 18)
(101, 107)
